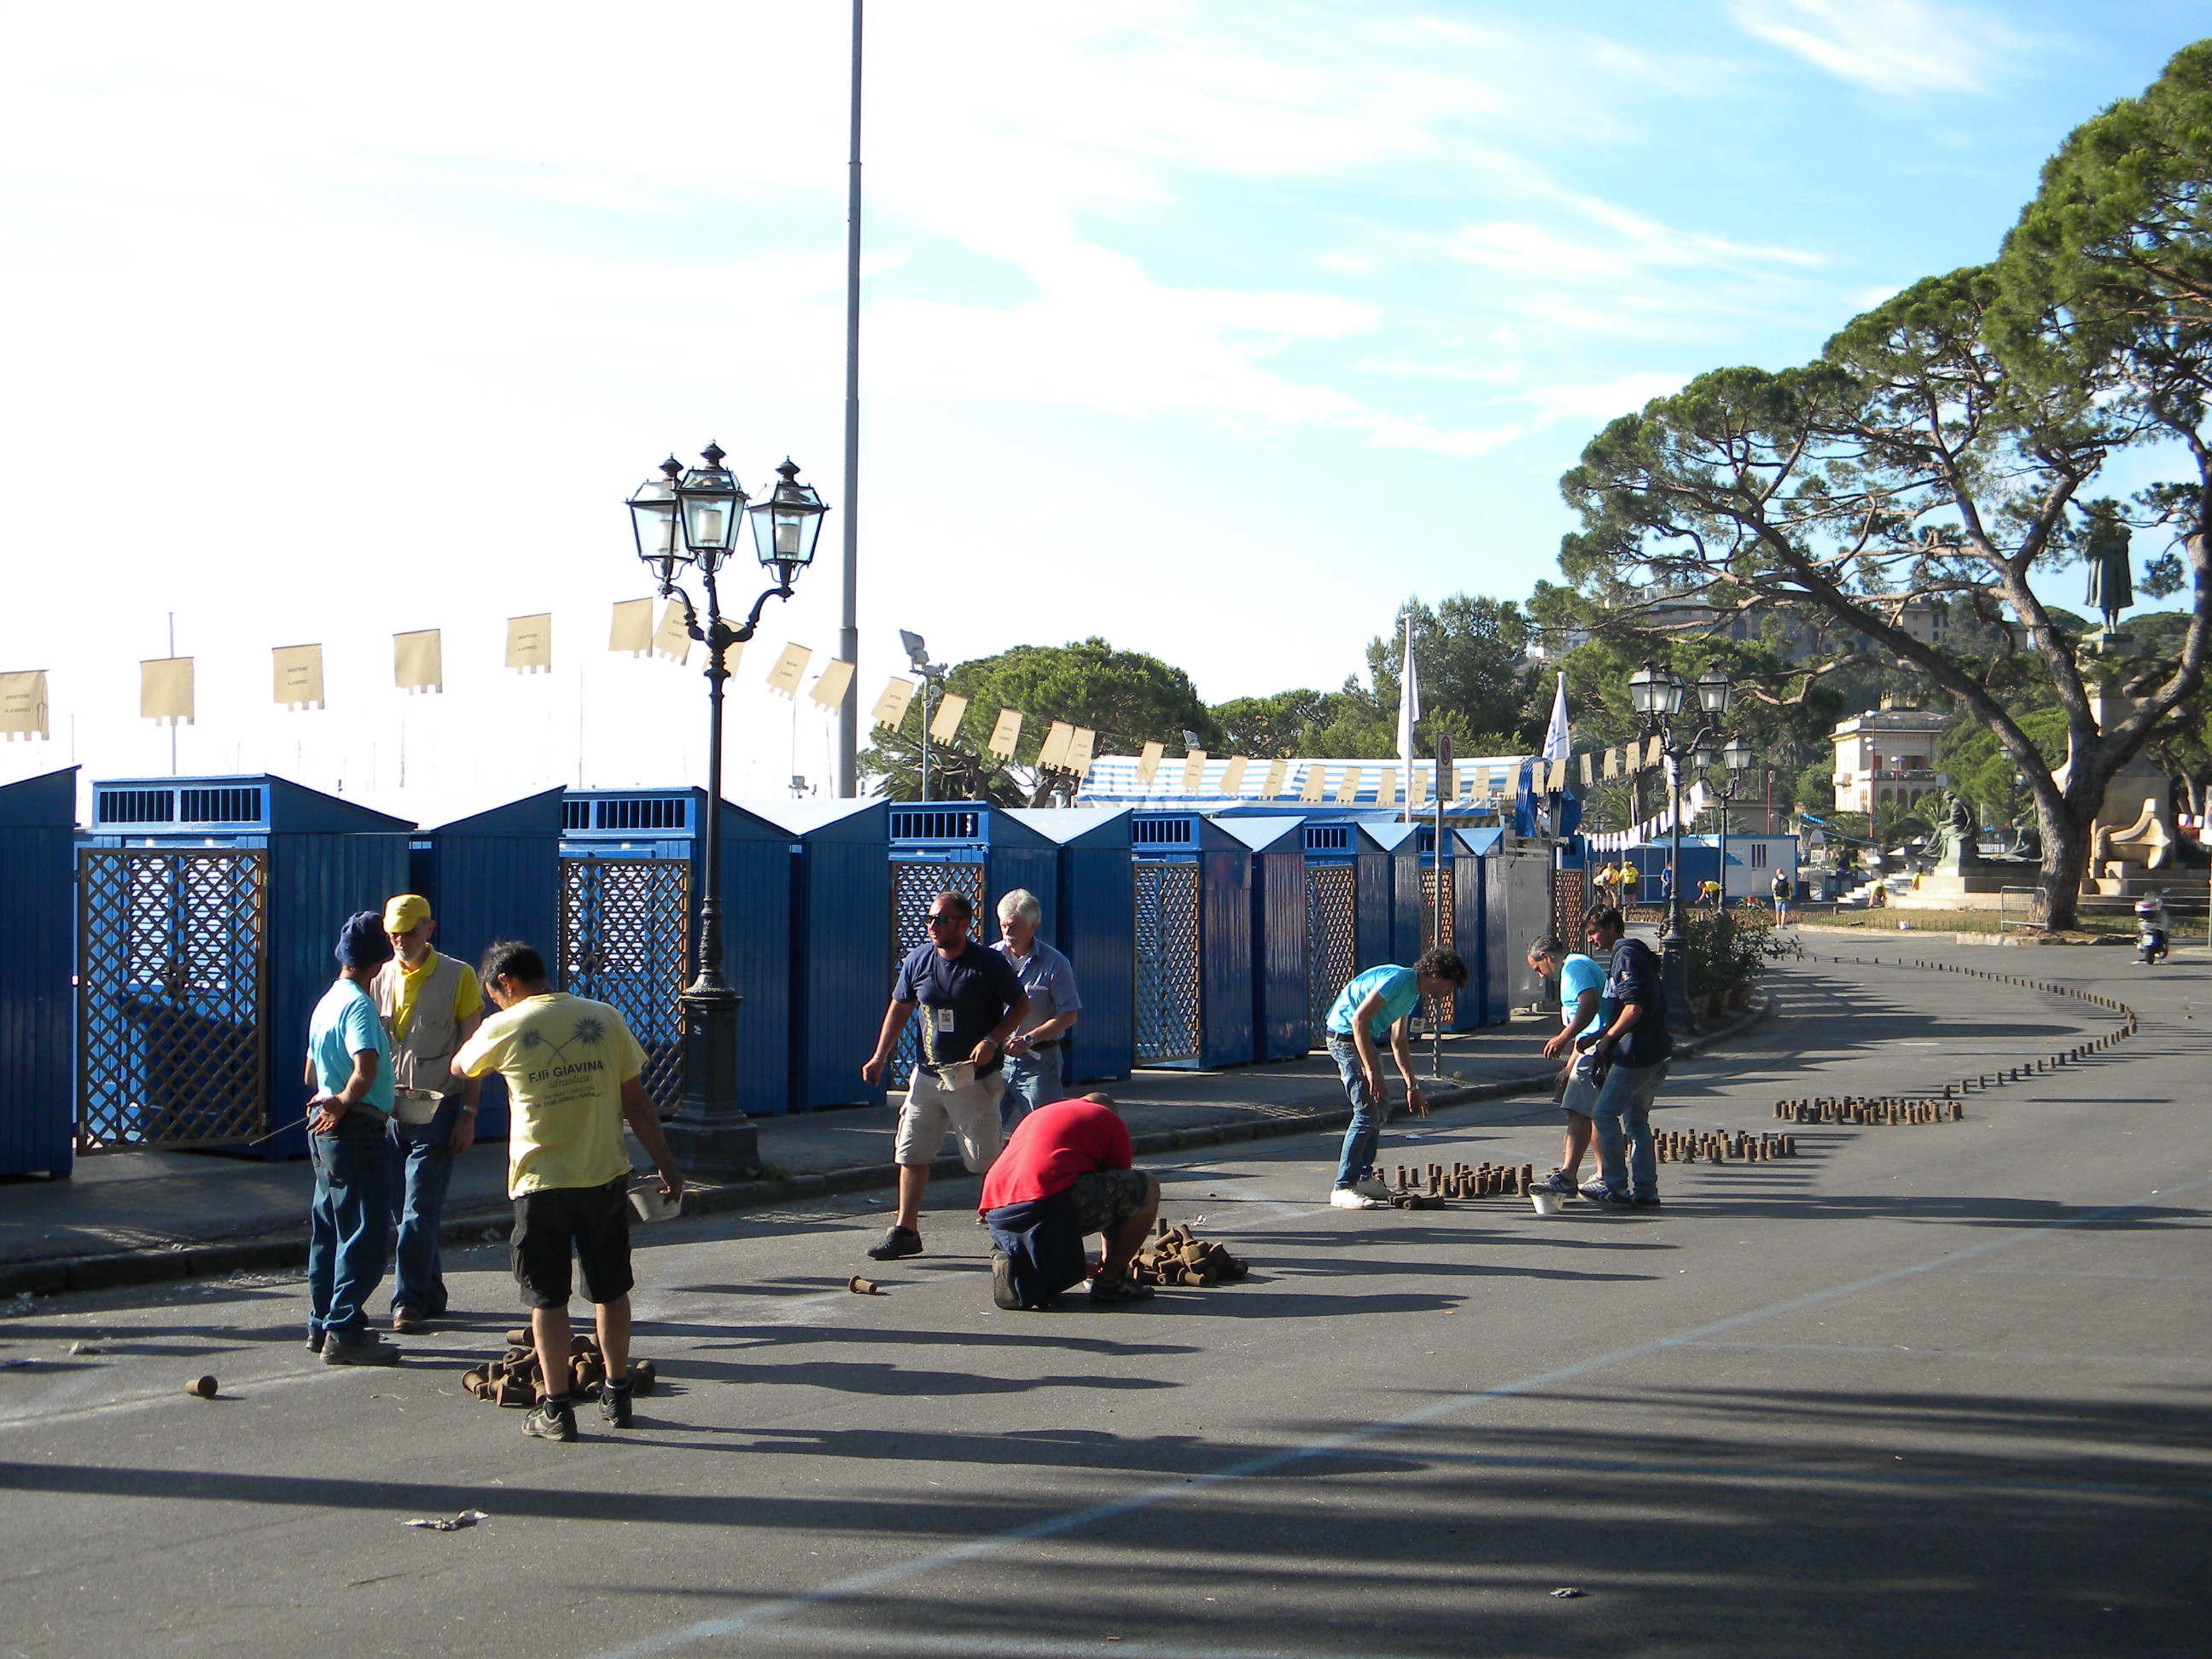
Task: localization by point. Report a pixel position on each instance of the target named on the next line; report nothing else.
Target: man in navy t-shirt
(971, 1000)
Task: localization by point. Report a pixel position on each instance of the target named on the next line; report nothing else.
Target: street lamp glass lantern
(710, 501)
(1705, 754)
(1670, 694)
(652, 522)
(786, 524)
(1739, 754)
(1645, 690)
(1714, 687)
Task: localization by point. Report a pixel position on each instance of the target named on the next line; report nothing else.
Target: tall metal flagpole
(848, 631)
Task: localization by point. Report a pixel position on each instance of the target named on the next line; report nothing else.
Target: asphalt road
(1922, 1390)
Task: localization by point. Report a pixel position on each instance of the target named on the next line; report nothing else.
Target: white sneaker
(1351, 1198)
(1371, 1187)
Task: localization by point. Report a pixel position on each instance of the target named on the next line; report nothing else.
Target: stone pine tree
(1944, 448)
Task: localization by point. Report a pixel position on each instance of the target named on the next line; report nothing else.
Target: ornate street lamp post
(1736, 756)
(1657, 696)
(690, 520)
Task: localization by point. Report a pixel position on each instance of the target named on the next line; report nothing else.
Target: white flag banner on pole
(1409, 712)
(1557, 743)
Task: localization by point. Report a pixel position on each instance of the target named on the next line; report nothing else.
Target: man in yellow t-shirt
(571, 1067)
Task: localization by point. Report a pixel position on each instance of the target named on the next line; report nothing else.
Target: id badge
(943, 1020)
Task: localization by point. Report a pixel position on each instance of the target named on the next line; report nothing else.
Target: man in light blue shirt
(1035, 1057)
(1581, 987)
(1379, 1001)
(349, 1226)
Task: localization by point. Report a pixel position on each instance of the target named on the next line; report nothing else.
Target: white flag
(1409, 707)
(1556, 745)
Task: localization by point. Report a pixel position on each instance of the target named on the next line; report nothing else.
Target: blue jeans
(421, 1170)
(1627, 1157)
(1368, 1114)
(1032, 1080)
(349, 1226)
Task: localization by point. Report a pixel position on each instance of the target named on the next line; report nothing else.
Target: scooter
(2150, 931)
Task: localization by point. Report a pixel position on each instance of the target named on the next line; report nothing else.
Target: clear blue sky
(1216, 328)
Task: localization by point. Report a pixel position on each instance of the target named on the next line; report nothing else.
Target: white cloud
(1885, 46)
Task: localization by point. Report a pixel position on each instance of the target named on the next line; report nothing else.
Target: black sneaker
(898, 1241)
(614, 1404)
(1002, 1282)
(1649, 1202)
(370, 1350)
(551, 1419)
(314, 1341)
(1620, 1200)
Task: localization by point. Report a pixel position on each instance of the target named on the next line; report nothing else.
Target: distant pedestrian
(1631, 1053)
(430, 1004)
(573, 1080)
(1376, 1002)
(973, 1001)
(1665, 883)
(1709, 892)
(1064, 1175)
(1785, 889)
(350, 1224)
(1037, 1054)
(1581, 980)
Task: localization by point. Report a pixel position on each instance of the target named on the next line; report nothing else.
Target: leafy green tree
(1471, 652)
(1127, 698)
(1909, 463)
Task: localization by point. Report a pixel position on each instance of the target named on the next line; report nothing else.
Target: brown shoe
(408, 1322)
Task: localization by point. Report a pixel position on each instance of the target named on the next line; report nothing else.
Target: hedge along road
(1936, 1389)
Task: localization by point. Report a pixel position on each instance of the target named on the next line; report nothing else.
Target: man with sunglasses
(972, 1001)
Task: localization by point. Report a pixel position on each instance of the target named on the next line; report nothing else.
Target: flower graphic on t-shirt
(589, 1031)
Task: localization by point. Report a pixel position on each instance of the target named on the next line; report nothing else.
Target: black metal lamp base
(710, 1133)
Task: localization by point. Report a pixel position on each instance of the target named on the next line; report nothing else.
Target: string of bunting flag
(167, 688)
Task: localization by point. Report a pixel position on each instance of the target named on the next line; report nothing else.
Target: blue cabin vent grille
(640, 812)
(1160, 832)
(935, 824)
(576, 815)
(236, 806)
(134, 806)
(1329, 838)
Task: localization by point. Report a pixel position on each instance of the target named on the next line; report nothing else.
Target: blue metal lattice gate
(1167, 962)
(914, 883)
(626, 941)
(1332, 935)
(172, 988)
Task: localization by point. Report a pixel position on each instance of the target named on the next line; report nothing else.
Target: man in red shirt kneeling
(1063, 1175)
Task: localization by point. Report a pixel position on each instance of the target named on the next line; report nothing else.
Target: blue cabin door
(173, 1043)
(1332, 939)
(626, 941)
(1167, 963)
(914, 883)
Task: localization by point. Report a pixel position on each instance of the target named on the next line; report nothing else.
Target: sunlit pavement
(1934, 1389)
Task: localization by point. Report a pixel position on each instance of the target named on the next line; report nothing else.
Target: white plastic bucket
(647, 1200)
(1545, 1203)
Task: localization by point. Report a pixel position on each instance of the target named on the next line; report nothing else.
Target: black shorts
(592, 1221)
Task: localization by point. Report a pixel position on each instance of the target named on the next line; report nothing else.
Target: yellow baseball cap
(405, 913)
